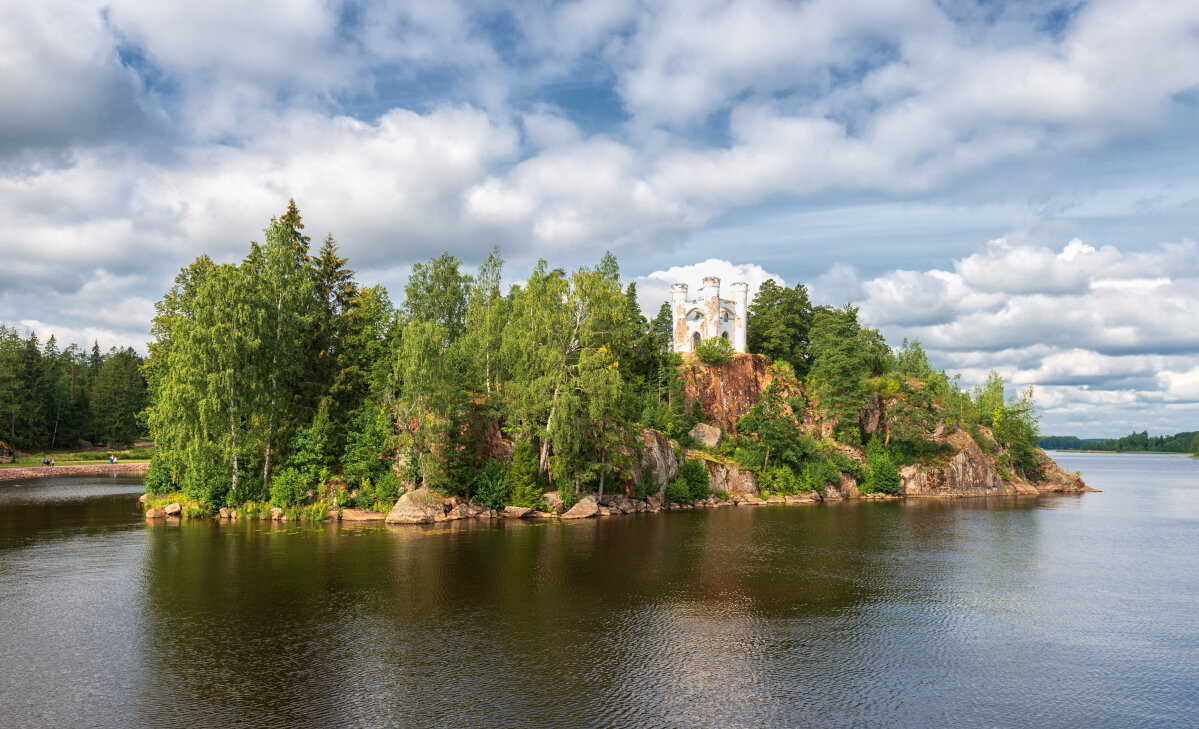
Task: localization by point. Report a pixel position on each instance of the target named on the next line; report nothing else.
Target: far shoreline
(130, 468)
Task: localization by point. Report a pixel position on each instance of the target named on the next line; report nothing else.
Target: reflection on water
(1063, 611)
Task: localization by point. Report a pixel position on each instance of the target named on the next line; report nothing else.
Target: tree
(278, 323)
(1195, 445)
(779, 324)
(437, 292)
(842, 354)
(119, 397)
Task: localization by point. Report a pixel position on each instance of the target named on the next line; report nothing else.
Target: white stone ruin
(708, 315)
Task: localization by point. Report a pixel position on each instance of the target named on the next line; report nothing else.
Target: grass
(75, 458)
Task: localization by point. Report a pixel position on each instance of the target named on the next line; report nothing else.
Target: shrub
(288, 487)
(695, 474)
(780, 480)
(647, 487)
(491, 484)
(158, 478)
(721, 494)
(387, 489)
(677, 491)
(714, 351)
(883, 476)
(522, 477)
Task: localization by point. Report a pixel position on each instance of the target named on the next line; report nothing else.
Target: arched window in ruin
(694, 341)
(725, 335)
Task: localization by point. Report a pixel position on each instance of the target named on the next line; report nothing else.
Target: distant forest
(63, 398)
(1187, 442)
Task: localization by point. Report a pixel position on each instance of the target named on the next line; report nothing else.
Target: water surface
(1060, 611)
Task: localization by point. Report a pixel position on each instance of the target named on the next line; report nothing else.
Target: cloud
(654, 288)
(1087, 327)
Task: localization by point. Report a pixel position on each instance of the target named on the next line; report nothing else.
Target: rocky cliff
(720, 394)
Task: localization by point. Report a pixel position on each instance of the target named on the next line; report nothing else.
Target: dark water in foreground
(1072, 611)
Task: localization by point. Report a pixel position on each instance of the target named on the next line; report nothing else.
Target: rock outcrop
(720, 394)
(585, 507)
(658, 461)
(709, 435)
(725, 476)
(1048, 477)
(174, 509)
(969, 472)
(361, 515)
(421, 506)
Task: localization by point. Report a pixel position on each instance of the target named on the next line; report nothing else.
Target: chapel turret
(708, 315)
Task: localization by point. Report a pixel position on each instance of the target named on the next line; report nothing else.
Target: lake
(1060, 611)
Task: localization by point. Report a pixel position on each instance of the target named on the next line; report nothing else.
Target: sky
(1011, 183)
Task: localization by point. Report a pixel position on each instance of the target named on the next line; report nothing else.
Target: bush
(522, 477)
(158, 478)
(678, 492)
(387, 489)
(646, 488)
(491, 484)
(288, 487)
(722, 494)
(883, 474)
(695, 474)
(714, 351)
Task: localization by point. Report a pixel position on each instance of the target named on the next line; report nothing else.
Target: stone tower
(708, 315)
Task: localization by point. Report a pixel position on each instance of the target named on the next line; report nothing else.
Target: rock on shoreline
(75, 469)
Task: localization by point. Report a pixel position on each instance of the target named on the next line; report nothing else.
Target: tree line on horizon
(268, 377)
(54, 398)
(1184, 442)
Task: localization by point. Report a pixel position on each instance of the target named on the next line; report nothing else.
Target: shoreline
(137, 468)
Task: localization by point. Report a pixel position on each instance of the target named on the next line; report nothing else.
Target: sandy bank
(101, 468)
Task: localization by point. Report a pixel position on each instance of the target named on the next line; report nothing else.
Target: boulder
(707, 434)
(724, 477)
(540, 515)
(225, 513)
(456, 512)
(603, 511)
(416, 507)
(141, 499)
(276, 513)
(752, 500)
(361, 515)
(553, 501)
(155, 513)
(775, 500)
(333, 514)
(174, 509)
(516, 512)
(623, 504)
(658, 461)
(804, 498)
(586, 507)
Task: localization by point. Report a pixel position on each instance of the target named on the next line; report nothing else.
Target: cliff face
(970, 472)
(1050, 478)
(720, 394)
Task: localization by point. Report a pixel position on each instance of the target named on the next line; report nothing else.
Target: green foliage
(158, 478)
(522, 477)
(367, 445)
(387, 489)
(844, 354)
(695, 474)
(678, 491)
(779, 323)
(289, 487)
(646, 488)
(1195, 445)
(722, 494)
(1184, 442)
(882, 474)
(714, 351)
(491, 485)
